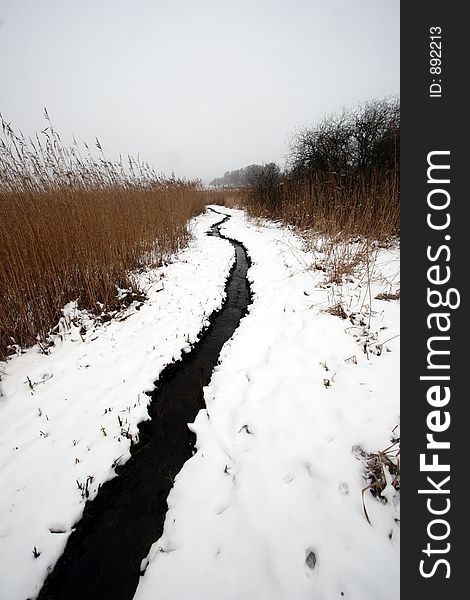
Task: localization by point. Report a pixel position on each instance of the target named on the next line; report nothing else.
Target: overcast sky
(195, 86)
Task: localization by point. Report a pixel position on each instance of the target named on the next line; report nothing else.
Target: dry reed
(73, 226)
(343, 217)
(352, 205)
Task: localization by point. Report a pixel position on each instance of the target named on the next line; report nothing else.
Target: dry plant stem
(376, 466)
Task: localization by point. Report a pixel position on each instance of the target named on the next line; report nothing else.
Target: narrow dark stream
(103, 554)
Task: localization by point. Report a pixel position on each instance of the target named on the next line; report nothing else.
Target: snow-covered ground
(67, 418)
(270, 506)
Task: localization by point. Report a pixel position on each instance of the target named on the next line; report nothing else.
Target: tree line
(341, 174)
(355, 142)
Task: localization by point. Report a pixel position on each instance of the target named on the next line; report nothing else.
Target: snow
(68, 417)
(270, 506)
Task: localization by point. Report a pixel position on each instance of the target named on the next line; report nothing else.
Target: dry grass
(229, 197)
(341, 217)
(350, 206)
(234, 197)
(73, 227)
(388, 296)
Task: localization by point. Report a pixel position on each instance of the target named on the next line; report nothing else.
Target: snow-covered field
(67, 417)
(270, 506)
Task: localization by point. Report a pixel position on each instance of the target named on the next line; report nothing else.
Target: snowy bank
(270, 506)
(68, 417)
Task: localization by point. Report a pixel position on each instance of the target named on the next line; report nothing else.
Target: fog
(195, 87)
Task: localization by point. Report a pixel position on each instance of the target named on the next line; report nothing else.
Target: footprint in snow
(221, 509)
(310, 559)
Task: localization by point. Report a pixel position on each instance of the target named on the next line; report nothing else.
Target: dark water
(103, 555)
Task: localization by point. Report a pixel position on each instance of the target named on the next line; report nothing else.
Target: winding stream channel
(103, 554)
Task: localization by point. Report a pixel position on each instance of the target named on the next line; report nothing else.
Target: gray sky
(198, 86)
